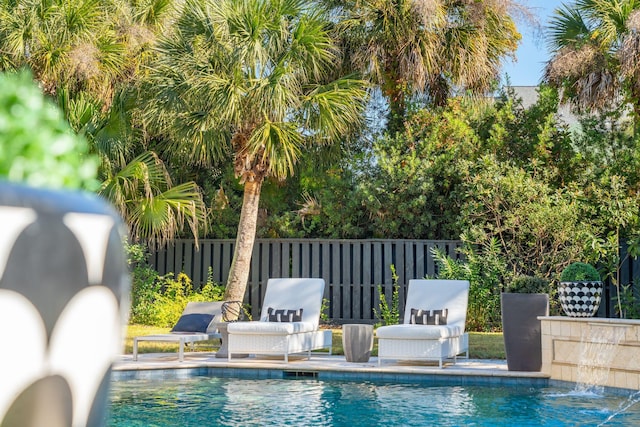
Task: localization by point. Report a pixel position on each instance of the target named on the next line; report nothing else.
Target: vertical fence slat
(171, 259)
(420, 261)
(205, 254)
(306, 260)
(378, 268)
(315, 265)
(265, 271)
(159, 260)
(187, 258)
(367, 265)
(335, 279)
(294, 259)
(326, 275)
(388, 260)
(179, 257)
(276, 258)
(345, 282)
(356, 281)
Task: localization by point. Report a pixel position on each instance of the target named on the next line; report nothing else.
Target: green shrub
(528, 285)
(37, 146)
(629, 303)
(175, 294)
(159, 300)
(536, 285)
(579, 272)
(389, 314)
(485, 270)
(145, 284)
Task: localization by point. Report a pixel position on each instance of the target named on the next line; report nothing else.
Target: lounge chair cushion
(428, 317)
(284, 315)
(270, 328)
(195, 322)
(200, 317)
(405, 331)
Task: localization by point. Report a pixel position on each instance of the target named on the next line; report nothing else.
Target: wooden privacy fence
(352, 269)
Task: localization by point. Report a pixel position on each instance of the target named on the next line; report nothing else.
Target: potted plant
(523, 301)
(580, 290)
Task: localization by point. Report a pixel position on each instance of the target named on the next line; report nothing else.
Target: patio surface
(322, 365)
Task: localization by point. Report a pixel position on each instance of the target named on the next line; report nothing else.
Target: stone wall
(593, 351)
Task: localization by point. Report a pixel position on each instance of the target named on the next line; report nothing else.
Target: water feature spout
(599, 344)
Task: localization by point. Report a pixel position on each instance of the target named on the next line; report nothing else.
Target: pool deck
(324, 366)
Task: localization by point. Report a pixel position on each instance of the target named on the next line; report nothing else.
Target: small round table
(357, 342)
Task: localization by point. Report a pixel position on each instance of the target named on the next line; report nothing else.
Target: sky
(532, 52)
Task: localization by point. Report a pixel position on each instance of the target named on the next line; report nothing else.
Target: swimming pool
(214, 401)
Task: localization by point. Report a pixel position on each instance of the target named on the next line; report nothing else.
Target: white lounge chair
(442, 305)
(197, 323)
(292, 326)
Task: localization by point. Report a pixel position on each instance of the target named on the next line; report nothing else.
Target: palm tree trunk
(239, 272)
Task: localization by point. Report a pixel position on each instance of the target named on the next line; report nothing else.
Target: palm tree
(250, 78)
(595, 53)
(428, 47)
(87, 53)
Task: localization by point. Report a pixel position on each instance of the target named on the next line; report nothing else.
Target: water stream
(624, 406)
(599, 346)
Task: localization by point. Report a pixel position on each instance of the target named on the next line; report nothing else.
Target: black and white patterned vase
(64, 287)
(580, 299)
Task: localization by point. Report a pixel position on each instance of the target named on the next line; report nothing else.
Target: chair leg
(135, 349)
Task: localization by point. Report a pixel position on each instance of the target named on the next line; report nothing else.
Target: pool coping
(324, 367)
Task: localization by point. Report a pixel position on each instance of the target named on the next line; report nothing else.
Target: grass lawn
(481, 345)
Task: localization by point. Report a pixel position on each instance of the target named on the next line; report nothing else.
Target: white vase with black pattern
(64, 287)
(580, 299)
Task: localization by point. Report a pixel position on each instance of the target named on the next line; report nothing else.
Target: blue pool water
(211, 401)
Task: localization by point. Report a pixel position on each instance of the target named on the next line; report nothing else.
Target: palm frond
(330, 110)
(567, 27)
(155, 210)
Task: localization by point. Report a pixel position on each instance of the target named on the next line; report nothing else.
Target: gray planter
(521, 329)
(580, 299)
(357, 342)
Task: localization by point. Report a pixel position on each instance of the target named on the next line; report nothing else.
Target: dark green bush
(528, 285)
(579, 272)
